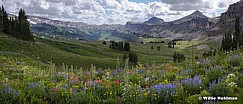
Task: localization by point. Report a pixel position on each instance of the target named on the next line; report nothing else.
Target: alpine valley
(192, 60)
(192, 26)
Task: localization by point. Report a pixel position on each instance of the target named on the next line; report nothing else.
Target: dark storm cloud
(177, 13)
(222, 5)
(187, 5)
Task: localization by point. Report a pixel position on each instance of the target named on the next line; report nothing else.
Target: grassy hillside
(51, 51)
(84, 53)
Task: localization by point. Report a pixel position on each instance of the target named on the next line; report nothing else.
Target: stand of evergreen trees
(233, 41)
(177, 57)
(15, 26)
(120, 46)
(132, 57)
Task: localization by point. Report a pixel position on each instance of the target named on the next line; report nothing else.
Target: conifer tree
(223, 44)
(5, 21)
(17, 27)
(236, 40)
(227, 42)
(127, 47)
(1, 19)
(24, 26)
(133, 57)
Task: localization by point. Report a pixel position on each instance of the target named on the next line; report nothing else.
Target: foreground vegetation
(24, 80)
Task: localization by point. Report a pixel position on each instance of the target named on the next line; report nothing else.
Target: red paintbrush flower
(99, 81)
(117, 81)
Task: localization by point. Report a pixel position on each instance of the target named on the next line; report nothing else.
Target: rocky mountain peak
(196, 14)
(155, 21)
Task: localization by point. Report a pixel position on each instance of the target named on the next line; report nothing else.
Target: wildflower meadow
(30, 82)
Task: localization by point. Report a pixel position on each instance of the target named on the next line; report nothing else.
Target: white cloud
(114, 11)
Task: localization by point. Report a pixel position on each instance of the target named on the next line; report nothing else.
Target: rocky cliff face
(227, 19)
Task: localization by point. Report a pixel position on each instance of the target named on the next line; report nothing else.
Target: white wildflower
(231, 75)
(6, 79)
(232, 84)
(107, 73)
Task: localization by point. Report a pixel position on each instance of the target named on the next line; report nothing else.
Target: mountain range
(193, 26)
(189, 27)
(55, 29)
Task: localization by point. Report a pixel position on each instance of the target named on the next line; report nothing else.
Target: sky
(115, 11)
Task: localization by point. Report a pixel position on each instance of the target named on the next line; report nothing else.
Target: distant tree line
(157, 42)
(171, 44)
(15, 26)
(233, 41)
(177, 40)
(119, 46)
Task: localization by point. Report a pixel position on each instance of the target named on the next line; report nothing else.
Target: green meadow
(84, 53)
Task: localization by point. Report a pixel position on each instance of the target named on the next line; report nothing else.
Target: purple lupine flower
(200, 81)
(65, 86)
(9, 90)
(162, 72)
(65, 76)
(138, 88)
(173, 93)
(212, 83)
(6, 89)
(71, 81)
(16, 92)
(218, 80)
(99, 71)
(195, 81)
(187, 71)
(115, 72)
(74, 90)
(235, 57)
(163, 87)
(140, 71)
(33, 85)
(219, 67)
(81, 89)
(91, 83)
(202, 61)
